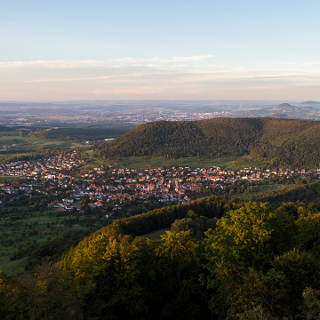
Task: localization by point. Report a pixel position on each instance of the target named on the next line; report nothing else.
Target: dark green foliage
(255, 262)
(212, 207)
(179, 139)
(197, 225)
(143, 280)
(52, 250)
(291, 143)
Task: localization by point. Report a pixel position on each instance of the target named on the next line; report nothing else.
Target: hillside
(215, 259)
(85, 133)
(282, 142)
(308, 193)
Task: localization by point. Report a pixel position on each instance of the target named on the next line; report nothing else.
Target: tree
(241, 239)
(311, 305)
(308, 233)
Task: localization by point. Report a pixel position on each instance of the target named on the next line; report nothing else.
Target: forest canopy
(216, 259)
(281, 142)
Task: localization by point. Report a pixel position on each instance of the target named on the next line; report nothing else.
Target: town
(64, 181)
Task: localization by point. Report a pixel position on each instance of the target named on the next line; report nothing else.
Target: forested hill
(283, 142)
(215, 259)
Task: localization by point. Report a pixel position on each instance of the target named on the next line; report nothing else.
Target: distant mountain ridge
(284, 111)
(283, 142)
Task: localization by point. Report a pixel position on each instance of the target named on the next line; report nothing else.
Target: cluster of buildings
(64, 181)
(51, 166)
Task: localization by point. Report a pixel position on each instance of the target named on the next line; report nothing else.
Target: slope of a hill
(221, 259)
(86, 133)
(307, 193)
(211, 207)
(252, 242)
(292, 143)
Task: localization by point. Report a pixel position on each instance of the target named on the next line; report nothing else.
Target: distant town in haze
(136, 112)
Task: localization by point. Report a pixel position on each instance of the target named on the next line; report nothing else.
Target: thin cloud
(69, 79)
(75, 64)
(199, 76)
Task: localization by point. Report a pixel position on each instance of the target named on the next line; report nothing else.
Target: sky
(169, 49)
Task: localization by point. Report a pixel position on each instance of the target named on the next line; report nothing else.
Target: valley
(75, 189)
(62, 187)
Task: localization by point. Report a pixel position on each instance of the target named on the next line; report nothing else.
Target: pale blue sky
(239, 49)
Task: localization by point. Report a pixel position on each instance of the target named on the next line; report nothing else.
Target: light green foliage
(241, 238)
(178, 245)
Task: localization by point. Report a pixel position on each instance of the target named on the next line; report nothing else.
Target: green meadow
(18, 146)
(231, 163)
(25, 230)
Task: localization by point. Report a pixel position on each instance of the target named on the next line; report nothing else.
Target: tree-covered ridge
(294, 143)
(218, 259)
(253, 260)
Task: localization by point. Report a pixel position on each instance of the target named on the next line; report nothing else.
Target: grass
(244, 161)
(22, 230)
(154, 162)
(262, 189)
(147, 162)
(25, 146)
(194, 162)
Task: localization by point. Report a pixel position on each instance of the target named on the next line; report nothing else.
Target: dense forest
(282, 142)
(216, 259)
